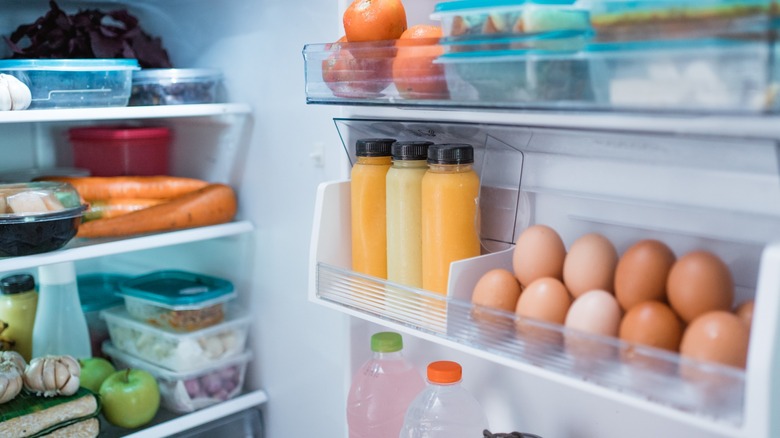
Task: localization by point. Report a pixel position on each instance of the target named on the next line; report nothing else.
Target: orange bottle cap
(444, 371)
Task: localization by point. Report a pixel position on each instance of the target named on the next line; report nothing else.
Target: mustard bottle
(18, 303)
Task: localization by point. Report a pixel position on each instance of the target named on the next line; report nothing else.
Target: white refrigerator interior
(693, 182)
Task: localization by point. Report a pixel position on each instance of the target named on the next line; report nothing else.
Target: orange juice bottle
(450, 221)
(368, 195)
(404, 212)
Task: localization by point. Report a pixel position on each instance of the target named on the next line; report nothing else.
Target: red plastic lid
(444, 371)
(118, 133)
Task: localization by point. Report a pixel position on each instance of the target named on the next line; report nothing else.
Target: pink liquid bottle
(382, 390)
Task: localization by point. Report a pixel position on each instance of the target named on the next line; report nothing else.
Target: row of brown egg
(646, 296)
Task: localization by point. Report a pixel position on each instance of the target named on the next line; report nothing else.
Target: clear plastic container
(178, 300)
(37, 217)
(98, 292)
(172, 350)
(192, 390)
(72, 83)
(121, 150)
(176, 86)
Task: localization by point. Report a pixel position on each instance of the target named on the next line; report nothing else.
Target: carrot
(213, 204)
(92, 188)
(108, 208)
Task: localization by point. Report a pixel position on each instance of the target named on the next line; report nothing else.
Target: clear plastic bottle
(368, 200)
(18, 301)
(404, 212)
(444, 409)
(450, 214)
(60, 324)
(382, 390)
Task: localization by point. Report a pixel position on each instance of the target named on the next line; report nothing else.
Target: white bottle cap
(58, 273)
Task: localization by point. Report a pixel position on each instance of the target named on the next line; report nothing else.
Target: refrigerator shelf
(167, 423)
(82, 249)
(125, 113)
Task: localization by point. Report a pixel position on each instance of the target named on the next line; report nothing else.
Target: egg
(745, 312)
(641, 273)
(545, 299)
(539, 252)
(717, 336)
(699, 282)
(652, 323)
(590, 265)
(497, 288)
(596, 312)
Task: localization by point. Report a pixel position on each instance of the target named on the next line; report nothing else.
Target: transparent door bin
(636, 192)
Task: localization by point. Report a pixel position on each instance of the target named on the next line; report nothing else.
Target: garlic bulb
(14, 94)
(52, 375)
(11, 368)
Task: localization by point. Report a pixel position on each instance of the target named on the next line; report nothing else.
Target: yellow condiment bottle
(18, 303)
(368, 197)
(404, 212)
(450, 221)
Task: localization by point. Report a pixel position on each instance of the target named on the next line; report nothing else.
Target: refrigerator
(695, 180)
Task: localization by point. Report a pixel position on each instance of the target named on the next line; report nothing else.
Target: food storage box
(121, 150)
(173, 350)
(37, 217)
(684, 75)
(176, 86)
(480, 19)
(98, 292)
(632, 20)
(71, 83)
(178, 300)
(188, 391)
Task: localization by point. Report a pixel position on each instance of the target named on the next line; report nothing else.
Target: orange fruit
(415, 74)
(349, 76)
(374, 20)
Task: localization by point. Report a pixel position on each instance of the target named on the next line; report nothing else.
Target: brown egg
(745, 312)
(717, 336)
(641, 273)
(545, 299)
(652, 323)
(539, 252)
(590, 265)
(497, 288)
(699, 282)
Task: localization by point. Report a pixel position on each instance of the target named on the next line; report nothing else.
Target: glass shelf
(122, 113)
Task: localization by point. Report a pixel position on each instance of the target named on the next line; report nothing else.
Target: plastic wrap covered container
(98, 292)
(37, 217)
(173, 350)
(72, 83)
(176, 86)
(634, 20)
(121, 150)
(177, 300)
(188, 391)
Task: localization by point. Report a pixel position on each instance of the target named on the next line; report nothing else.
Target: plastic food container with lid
(37, 217)
(176, 86)
(176, 351)
(98, 292)
(72, 83)
(190, 390)
(121, 150)
(178, 300)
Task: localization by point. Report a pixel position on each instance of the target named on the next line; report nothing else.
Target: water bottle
(382, 389)
(60, 325)
(444, 409)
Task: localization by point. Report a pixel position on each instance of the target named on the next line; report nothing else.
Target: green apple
(94, 371)
(130, 398)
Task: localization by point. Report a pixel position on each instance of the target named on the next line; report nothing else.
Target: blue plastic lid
(461, 5)
(69, 64)
(178, 289)
(99, 291)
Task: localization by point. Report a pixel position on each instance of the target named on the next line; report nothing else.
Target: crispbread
(89, 428)
(30, 424)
